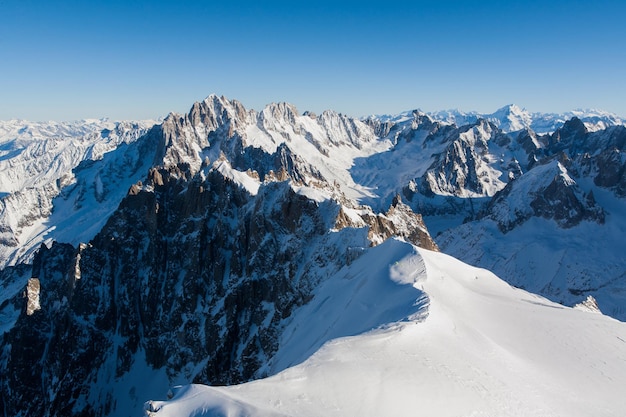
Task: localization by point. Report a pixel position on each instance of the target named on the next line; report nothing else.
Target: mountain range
(226, 245)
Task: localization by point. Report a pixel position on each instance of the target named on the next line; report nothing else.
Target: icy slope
(478, 347)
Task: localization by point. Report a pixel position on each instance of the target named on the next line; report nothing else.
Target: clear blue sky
(131, 59)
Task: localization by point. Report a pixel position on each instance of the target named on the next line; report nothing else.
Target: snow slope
(473, 346)
(566, 265)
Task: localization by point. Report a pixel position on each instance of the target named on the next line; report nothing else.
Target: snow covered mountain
(505, 201)
(198, 249)
(447, 340)
(554, 229)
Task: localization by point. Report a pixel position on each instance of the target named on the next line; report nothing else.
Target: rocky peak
(550, 192)
(610, 166)
(511, 118)
(218, 111)
(281, 112)
(379, 127)
(344, 130)
(570, 136)
(562, 201)
(216, 119)
(589, 304)
(409, 225)
(410, 126)
(421, 120)
(399, 221)
(465, 167)
(532, 146)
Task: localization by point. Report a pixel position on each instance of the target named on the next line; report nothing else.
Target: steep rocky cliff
(192, 277)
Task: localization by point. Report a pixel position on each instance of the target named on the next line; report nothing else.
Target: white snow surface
(413, 332)
(543, 257)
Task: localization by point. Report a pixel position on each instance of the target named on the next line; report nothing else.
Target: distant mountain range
(228, 244)
(512, 118)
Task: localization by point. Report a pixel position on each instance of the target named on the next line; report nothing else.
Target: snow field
(478, 347)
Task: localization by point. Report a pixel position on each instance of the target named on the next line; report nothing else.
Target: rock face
(549, 193)
(194, 276)
(464, 168)
(32, 295)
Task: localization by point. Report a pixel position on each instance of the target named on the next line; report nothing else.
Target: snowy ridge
(478, 347)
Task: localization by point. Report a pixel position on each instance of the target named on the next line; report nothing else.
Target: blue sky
(132, 59)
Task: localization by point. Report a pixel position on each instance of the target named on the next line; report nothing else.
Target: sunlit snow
(447, 340)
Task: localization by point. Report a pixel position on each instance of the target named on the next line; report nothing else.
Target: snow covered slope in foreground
(474, 347)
